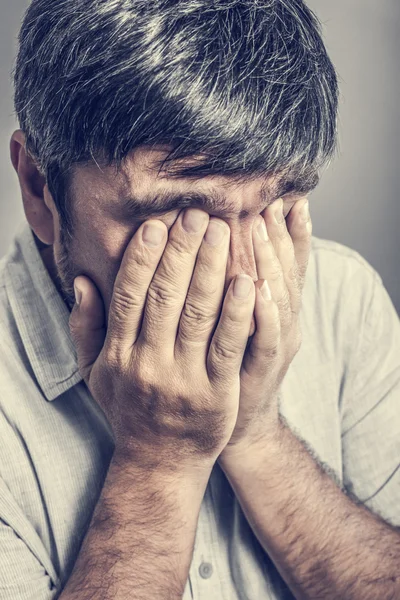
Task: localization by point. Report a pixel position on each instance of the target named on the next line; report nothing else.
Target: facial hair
(65, 270)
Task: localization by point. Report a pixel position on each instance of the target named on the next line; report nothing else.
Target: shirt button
(205, 570)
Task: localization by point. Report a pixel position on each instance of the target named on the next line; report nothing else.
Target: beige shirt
(341, 395)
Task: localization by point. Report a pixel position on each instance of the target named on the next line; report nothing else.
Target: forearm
(323, 544)
(140, 540)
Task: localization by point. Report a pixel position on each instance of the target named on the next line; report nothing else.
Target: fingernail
(78, 294)
(242, 286)
(152, 235)
(193, 220)
(215, 233)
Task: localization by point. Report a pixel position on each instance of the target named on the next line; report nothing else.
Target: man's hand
(165, 373)
(282, 262)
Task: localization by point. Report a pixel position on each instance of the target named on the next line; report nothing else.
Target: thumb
(87, 325)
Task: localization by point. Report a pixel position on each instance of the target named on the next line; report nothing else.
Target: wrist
(147, 467)
(266, 436)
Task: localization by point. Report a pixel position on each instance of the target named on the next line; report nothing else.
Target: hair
(246, 83)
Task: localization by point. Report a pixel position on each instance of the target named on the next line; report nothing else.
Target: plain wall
(357, 202)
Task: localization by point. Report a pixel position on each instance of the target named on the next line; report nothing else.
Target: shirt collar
(41, 316)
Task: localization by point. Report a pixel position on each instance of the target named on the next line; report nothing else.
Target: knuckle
(272, 352)
(224, 351)
(124, 300)
(275, 272)
(196, 315)
(140, 258)
(136, 261)
(161, 293)
(113, 357)
(203, 285)
(147, 369)
(179, 244)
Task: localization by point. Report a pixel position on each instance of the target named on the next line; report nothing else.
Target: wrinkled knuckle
(271, 353)
(161, 293)
(197, 316)
(178, 244)
(275, 272)
(124, 300)
(224, 351)
(138, 258)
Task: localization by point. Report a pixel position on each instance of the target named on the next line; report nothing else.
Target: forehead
(139, 175)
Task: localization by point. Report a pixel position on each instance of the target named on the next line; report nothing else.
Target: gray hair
(248, 83)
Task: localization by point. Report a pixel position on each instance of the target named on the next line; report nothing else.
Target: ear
(39, 206)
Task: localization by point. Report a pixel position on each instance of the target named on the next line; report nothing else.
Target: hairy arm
(140, 540)
(324, 543)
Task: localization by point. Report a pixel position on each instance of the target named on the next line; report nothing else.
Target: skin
(102, 232)
(324, 544)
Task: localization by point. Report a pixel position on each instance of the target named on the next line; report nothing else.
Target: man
(162, 437)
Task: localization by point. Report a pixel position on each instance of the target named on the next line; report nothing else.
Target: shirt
(340, 396)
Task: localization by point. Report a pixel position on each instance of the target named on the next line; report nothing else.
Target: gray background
(357, 202)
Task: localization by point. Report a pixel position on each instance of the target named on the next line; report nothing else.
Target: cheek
(103, 240)
(97, 252)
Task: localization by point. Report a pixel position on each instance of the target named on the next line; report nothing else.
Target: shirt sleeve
(371, 408)
(22, 577)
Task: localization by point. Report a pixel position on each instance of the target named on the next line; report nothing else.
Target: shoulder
(15, 369)
(342, 293)
(341, 260)
(340, 278)
(6, 315)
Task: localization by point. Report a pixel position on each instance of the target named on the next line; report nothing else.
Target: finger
(87, 325)
(300, 229)
(169, 287)
(205, 296)
(270, 269)
(264, 346)
(284, 250)
(130, 289)
(230, 338)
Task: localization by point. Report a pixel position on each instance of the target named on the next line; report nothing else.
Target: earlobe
(37, 201)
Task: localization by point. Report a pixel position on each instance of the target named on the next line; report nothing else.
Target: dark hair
(248, 83)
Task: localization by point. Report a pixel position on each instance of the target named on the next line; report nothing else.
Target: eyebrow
(213, 200)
